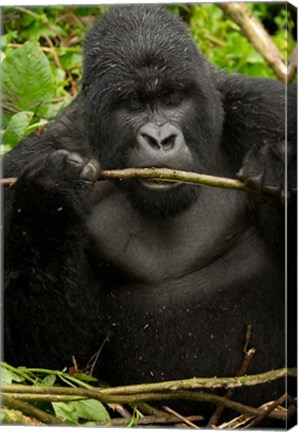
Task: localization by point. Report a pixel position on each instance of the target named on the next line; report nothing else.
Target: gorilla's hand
(55, 187)
(263, 171)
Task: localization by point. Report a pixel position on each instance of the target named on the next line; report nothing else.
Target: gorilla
(160, 279)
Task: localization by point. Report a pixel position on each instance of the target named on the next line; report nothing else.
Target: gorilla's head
(150, 102)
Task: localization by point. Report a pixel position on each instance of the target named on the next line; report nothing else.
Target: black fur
(173, 275)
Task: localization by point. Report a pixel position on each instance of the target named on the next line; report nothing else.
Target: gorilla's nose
(161, 146)
(152, 137)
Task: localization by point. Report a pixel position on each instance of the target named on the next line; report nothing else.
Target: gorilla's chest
(180, 292)
(192, 325)
(151, 250)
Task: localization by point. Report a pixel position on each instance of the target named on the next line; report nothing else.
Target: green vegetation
(71, 412)
(42, 55)
(224, 45)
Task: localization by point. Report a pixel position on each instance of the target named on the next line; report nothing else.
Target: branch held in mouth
(164, 174)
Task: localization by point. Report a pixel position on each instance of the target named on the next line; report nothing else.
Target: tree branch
(258, 36)
(170, 386)
(15, 395)
(197, 396)
(164, 174)
(30, 410)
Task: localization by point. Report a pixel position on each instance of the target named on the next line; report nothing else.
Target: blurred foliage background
(42, 54)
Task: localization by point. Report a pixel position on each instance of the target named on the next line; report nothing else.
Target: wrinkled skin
(172, 273)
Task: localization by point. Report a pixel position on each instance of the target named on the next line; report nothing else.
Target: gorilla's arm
(45, 212)
(260, 117)
(256, 113)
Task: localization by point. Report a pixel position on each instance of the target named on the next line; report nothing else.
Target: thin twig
(243, 419)
(180, 417)
(8, 181)
(257, 420)
(247, 357)
(147, 420)
(121, 410)
(92, 362)
(53, 52)
(17, 45)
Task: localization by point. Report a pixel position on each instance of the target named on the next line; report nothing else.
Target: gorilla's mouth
(158, 185)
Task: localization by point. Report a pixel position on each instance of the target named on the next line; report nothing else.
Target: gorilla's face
(156, 139)
(150, 103)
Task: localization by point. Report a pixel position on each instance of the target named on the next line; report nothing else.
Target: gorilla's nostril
(168, 142)
(152, 141)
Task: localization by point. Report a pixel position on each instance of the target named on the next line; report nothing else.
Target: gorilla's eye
(130, 105)
(172, 100)
(134, 105)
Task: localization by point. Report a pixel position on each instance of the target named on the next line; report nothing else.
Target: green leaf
(84, 377)
(27, 78)
(254, 57)
(8, 377)
(16, 127)
(5, 148)
(66, 412)
(49, 380)
(91, 409)
(72, 412)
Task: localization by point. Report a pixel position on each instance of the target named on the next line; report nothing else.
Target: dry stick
(245, 418)
(121, 410)
(147, 420)
(257, 420)
(247, 357)
(53, 52)
(17, 45)
(149, 410)
(180, 417)
(8, 181)
(258, 36)
(30, 410)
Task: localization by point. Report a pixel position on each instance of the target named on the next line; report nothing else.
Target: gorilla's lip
(158, 185)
